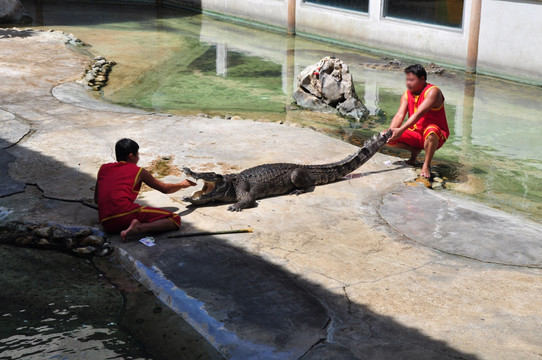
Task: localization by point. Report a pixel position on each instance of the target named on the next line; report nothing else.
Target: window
(356, 5)
(438, 12)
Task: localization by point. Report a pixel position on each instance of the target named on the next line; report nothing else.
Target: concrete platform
(458, 226)
(323, 276)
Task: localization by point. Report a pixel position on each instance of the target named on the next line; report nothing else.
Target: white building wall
(271, 12)
(436, 43)
(511, 39)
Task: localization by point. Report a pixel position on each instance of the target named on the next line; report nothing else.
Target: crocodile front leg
(246, 202)
(245, 197)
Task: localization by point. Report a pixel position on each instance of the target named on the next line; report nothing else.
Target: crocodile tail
(327, 173)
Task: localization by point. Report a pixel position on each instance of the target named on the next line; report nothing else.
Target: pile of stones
(97, 74)
(435, 182)
(398, 65)
(79, 242)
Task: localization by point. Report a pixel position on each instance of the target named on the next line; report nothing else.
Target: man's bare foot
(413, 162)
(134, 228)
(413, 157)
(426, 171)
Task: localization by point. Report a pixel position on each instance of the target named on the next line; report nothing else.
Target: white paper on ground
(149, 241)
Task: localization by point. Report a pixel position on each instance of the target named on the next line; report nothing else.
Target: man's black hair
(125, 147)
(417, 70)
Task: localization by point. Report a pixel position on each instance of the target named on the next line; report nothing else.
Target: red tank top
(117, 189)
(435, 116)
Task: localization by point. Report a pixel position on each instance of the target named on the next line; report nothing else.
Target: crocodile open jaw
(208, 187)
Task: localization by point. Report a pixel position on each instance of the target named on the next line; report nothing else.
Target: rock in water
(24, 240)
(44, 232)
(13, 12)
(354, 108)
(83, 233)
(437, 185)
(60, 234)
(92, 240)
(84, 250)
(327, 86)
(424, 181)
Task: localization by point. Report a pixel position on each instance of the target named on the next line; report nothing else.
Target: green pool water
(188, 63)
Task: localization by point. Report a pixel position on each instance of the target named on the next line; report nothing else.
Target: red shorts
(416, 137)
(144, 214)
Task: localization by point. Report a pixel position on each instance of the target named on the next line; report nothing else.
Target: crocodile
(244, 188)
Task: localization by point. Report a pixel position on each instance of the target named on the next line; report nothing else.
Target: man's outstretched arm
(147, 178)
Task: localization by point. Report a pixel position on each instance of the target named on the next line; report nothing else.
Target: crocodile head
(216, 187)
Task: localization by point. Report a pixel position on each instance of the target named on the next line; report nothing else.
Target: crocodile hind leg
(302, 181)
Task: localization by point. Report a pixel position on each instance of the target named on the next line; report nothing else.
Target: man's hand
(187, 183)
(397, 132)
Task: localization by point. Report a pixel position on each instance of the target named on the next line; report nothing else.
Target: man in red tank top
(117, 188)
(426, 127)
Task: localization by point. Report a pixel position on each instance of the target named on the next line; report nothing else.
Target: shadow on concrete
(7, 34)
(262, 303)
(249, 299)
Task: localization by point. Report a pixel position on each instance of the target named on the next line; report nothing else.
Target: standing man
(426, 127)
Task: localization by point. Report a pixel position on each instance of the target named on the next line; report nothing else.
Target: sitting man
(117, 188)
(426, 127)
